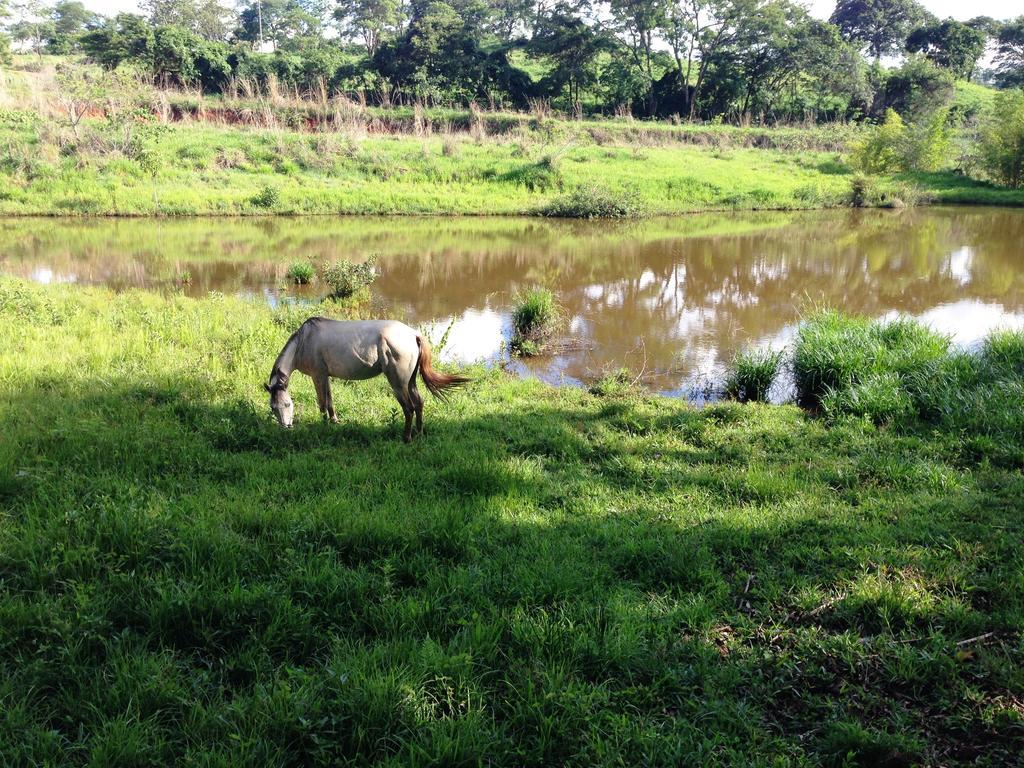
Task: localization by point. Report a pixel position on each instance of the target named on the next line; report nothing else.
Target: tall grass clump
(301, 273)
(752, 374)
(346, 278)
(847, 364)
(535, 317)
(595, 201)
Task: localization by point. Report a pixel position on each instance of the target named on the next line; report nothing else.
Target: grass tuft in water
(535, 316)
(752, 374)
(301, 273)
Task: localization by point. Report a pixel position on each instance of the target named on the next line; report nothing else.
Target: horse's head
(281, 404)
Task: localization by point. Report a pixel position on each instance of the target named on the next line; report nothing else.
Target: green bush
(1002, 140)
(752, 375)
(267, 197)
(594, 201)
(346, 278)
(881, 149)
(895, 146)
(301, 273)
(535, 316)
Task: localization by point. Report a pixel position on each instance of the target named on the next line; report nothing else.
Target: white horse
(355, 350)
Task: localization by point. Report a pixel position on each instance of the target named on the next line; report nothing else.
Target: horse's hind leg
(399, 385)
(417, 402)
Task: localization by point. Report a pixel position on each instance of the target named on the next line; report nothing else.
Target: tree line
(736, 60)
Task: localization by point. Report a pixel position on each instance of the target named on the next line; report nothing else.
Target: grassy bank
(206, 169)
(548, 577)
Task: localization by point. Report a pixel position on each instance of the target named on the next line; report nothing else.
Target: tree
(881, 26)
(285, 23)
(637, 21)
(950, 45)
(33, 26)
(1009, 58)
(725, 24)
(71, 19)
(206, 18)
(1002, 142)
(5, 43)
(126, 37)
(572, 46)
(372, 21)
(916, 89)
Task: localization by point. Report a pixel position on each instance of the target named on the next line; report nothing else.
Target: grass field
(208, 169)
(548, 577)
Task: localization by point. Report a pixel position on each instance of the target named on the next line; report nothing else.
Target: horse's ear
(266, 386)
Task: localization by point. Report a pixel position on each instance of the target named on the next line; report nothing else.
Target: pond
(672, 300)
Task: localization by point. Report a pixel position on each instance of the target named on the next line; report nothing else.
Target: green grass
(901, 371)
(752, 374)
(301, 273)
(548, 577)
(205, 169)
(535, 315)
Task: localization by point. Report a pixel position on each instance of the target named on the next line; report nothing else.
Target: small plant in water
(185, 278)
(346, 278)
(535, 316)
(752, 375)
(301, 273)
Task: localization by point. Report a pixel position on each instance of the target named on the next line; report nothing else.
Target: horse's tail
(436, 382)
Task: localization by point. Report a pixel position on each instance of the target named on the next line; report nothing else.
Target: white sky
(997, 9)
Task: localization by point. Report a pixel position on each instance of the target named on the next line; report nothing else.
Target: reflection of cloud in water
(47, 276)
(970, 321)
(960, 265)
(476, 335)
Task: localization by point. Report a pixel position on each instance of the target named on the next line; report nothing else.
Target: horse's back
(357, 349)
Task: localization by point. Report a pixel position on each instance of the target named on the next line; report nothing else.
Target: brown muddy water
(670, 299)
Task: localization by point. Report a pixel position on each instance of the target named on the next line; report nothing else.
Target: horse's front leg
(329, 401)
(322, 384)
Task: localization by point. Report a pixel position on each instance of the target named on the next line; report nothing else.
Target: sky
(958, 9)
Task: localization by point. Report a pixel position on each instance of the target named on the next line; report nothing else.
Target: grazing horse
(355, 350)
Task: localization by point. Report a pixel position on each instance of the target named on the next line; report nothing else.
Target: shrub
(896, 146)
(881, 150)
(301, 273)
(927, 144)
(346, 278)
(535, 316)
(593, 201)
(752, 375)
(1002, 140)
(267, 197)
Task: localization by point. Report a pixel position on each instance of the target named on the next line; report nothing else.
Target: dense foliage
(738, 60)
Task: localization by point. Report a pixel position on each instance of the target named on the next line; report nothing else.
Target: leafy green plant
(881, 151)
(267, 197)
(535, 316)
(1002, 140)
(752, 375)
(594, 201)
(347, 278)
(301, 273)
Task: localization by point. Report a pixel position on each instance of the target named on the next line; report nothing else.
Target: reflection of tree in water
(690, 289)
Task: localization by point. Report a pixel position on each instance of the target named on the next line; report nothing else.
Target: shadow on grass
(549, 584)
